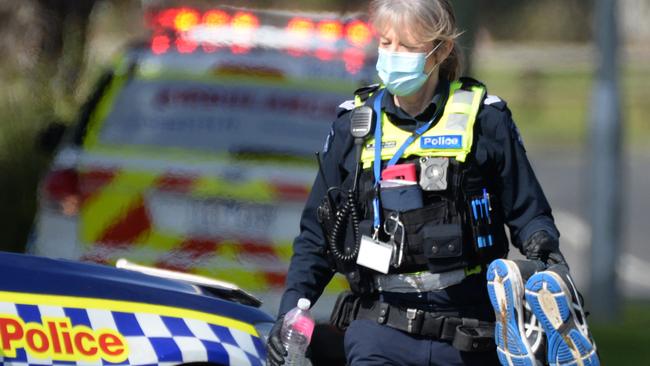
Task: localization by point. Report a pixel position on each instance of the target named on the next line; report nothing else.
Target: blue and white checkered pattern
(152, 339)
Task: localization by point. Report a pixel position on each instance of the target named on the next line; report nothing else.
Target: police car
(59, 312)
(196, 151)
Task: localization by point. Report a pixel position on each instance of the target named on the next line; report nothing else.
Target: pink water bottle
(297, 329)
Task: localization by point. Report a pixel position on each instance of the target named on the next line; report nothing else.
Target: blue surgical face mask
(403, 72)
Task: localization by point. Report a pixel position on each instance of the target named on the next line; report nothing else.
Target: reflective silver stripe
(419, 282)
(347, 105)
(463, 97)
(491, 99)
(457, 122)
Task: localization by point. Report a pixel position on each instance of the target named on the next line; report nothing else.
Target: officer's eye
(414, 47)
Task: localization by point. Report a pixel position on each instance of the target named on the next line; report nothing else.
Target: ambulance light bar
(188, 30)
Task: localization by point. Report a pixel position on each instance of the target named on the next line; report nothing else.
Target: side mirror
(49, 138)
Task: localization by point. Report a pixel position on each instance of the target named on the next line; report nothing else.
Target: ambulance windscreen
(218, 117)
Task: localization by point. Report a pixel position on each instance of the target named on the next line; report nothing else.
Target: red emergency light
(184, 45)
(358, 33)
(163, 19)
(354, 59)
(245, 21)
(300, 27)
(160, 44)
(330, 30)
(216, 18)
(186, 19)
(173, 26)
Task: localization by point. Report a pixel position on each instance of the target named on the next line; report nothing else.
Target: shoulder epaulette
(348, 104)
(469, 82)
(364, 92)
(494, 101)
(345, 107)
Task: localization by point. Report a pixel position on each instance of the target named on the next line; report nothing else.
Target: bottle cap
(304, 304)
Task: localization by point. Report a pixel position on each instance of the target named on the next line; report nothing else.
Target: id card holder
(374, 254)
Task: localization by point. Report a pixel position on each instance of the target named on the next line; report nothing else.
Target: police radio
(336, 218)
(360, 125)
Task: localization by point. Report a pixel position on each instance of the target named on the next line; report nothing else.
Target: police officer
(413, 212)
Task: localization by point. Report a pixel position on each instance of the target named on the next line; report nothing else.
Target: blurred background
(540, 56)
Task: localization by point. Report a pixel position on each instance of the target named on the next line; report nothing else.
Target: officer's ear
(443, 51)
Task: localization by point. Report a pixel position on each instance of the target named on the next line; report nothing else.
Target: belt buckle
(414, 317)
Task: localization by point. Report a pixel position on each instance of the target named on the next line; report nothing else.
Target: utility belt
(465, 334)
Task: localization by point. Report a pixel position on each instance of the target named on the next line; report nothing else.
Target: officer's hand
(543, 247)
(274, 349)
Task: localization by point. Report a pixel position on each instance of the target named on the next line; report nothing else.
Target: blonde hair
(426, 21)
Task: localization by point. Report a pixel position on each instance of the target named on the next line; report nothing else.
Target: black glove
(543, 247)
(274, 348)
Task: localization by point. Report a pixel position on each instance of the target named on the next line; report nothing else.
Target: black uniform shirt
(497, 149)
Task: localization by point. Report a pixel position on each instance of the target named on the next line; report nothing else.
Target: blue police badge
(441, 142)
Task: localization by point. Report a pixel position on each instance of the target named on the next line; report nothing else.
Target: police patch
(441, 142)
(384, 145)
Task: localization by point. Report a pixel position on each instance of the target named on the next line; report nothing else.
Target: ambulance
(196, 150)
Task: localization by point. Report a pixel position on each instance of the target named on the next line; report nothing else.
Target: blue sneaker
(518, 336)
(554, 300)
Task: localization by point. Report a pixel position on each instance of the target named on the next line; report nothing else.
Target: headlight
(264, 329)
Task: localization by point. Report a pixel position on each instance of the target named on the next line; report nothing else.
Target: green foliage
(25, 110)
(551, 106)
(625, 342)
(548, 20)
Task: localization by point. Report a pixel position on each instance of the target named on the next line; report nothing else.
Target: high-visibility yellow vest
(452, 136)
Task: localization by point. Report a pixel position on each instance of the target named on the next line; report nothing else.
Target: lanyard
(379, 145)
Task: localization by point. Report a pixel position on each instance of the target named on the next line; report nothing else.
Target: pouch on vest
(400, 197)
(486, 227)
(443, 247)
(344, 310)
(416, 221)
(427, 227)
(474, 338)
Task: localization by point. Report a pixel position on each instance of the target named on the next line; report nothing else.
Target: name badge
(374, 254)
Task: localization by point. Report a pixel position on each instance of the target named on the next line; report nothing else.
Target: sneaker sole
(547, 294)
(504, 288)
